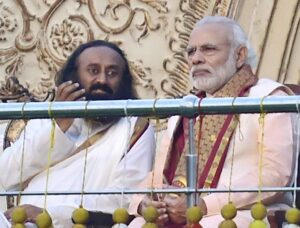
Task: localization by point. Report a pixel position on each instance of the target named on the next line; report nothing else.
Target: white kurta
(107, 167)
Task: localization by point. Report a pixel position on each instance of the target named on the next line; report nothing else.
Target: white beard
(218, 77)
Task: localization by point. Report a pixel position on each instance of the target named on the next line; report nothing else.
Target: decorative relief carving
(141, 77)
(65, 37)
(146, 25)
(159, 5)
(8, 22)
(25, 41)
(12, 90)
(47, 2)
(14, 66)
(221, 7)
(112, 9)
(7, 55)
(44, 90)
(81, 2)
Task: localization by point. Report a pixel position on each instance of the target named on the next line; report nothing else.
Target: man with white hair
(228, 148)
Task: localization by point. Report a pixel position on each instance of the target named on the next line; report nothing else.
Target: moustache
(102, 87)
(199, 68)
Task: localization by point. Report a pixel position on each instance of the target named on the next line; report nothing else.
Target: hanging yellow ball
(292, 215)
(150, 214)
(120, 215)
(149, 225)
(19, 215)
(80, 216)
(43, 220)
(258, 211)
(19, 225)
(258, 224)
(228, 211)
(78, 226)
(194, 214)
(227, 224)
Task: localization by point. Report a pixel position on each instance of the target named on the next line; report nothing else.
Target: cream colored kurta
(276, 169)
(107, 168)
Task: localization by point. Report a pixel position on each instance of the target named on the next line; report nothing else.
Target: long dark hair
(69, 70)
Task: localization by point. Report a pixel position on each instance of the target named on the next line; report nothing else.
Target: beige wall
(273, 28)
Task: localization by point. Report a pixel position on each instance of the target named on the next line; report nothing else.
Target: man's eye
(190, 51)
(209, 48)
(93, 70)
(112, 73)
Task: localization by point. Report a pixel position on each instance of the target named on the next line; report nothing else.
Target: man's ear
(241, 55)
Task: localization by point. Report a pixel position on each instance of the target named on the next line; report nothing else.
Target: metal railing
(186, 106)
(189, 106)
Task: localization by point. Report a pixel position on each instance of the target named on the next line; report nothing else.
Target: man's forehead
(100, 55)
(211, 33)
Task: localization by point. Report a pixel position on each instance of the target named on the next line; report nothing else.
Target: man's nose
(101, 78)
(198, 57)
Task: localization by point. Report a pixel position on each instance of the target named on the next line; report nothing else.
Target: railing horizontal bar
(187, 106)
(149, 191)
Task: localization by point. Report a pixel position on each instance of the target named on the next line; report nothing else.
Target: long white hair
(239, 36)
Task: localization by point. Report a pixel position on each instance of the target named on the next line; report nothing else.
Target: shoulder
(136, 124)
(266, 87)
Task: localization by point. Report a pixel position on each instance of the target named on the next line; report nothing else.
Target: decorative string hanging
(43, 219)
(194, 213)
(150, 213)
(120, 215)
(292, 215)
(80, 216)
(19, 215)
(229, 210)
(258, 210)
